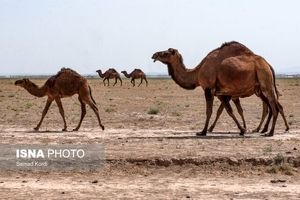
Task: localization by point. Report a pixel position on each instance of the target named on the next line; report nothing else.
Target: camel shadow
(209, 136)
(33, 131)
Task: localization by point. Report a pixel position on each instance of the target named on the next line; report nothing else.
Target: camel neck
(185, 78)
(127, 75)
(101, 75)
(36, 91)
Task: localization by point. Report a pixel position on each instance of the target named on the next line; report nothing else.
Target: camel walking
(237, 103)
(111, 73)
(136, 74)
(265, 112)
(227, 77)
(65, 83)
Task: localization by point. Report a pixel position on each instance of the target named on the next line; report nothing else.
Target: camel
(65, 83)
(264, 112)
(135, 74)
(110, 74)
(227, 77)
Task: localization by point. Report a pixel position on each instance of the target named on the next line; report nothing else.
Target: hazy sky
(41, 36)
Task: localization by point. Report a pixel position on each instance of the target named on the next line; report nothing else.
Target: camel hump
(51, 81)
(112, 69)
(137, 70)
(236, 46)
(230, 43)
(67, 70)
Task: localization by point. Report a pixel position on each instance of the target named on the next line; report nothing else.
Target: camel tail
(274, 81)
(92, 95)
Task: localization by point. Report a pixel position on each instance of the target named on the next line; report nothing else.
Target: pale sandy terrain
(155, 156)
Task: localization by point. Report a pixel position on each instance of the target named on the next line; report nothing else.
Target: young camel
(65, 83)
(225, 76)
(110, 74)
(135, 74)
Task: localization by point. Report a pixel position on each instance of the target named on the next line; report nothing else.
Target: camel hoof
(202, 133)
(242, 133)
(268, 135)
(211, 129)
(264, 130)
(75, 129)
(287, 129)
(102, 127)
(255, 130)
(36, 128)
(64, 129)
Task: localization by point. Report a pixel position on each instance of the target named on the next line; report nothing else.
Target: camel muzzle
(18, 82)
(154, 57)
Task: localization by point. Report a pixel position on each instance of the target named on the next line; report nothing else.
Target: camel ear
(172, 51)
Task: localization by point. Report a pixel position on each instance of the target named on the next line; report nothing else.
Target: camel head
(23, 82)
(100, 73)
(124, 72)
(169, 56)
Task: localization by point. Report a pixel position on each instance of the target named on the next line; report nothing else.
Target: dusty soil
(155, 156)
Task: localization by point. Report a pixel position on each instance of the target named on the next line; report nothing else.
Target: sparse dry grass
(122, 104)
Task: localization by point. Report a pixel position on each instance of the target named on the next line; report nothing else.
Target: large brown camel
(226, 77)
(65, 83)
(264, 114)
(111, 73)
(136, 74)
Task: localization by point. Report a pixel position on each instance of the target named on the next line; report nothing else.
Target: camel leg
(115, 82)
(120, 80)
(104, 81)
(133, 82)
(85, 96)
(240, 110)
(146, 82)
(83, 112)
(140, 82)
(266, 127)
(275, 115)
(62, 112)
(219, 112)
(280, 108)
(48, 103)
(95, 109)
(283, 116)
(209, 97)
(263, 116)
(225, 101)
(273, 104)
(108, 82)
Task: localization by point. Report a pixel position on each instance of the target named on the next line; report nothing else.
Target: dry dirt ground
(155, 156)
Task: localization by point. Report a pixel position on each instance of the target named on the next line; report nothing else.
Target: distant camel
(230, 71)
(110, 74)
(135, 74)
(65, 83)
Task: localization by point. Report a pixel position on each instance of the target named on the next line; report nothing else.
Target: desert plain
(151, 147)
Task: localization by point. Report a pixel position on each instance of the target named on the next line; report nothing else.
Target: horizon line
(153, 75)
